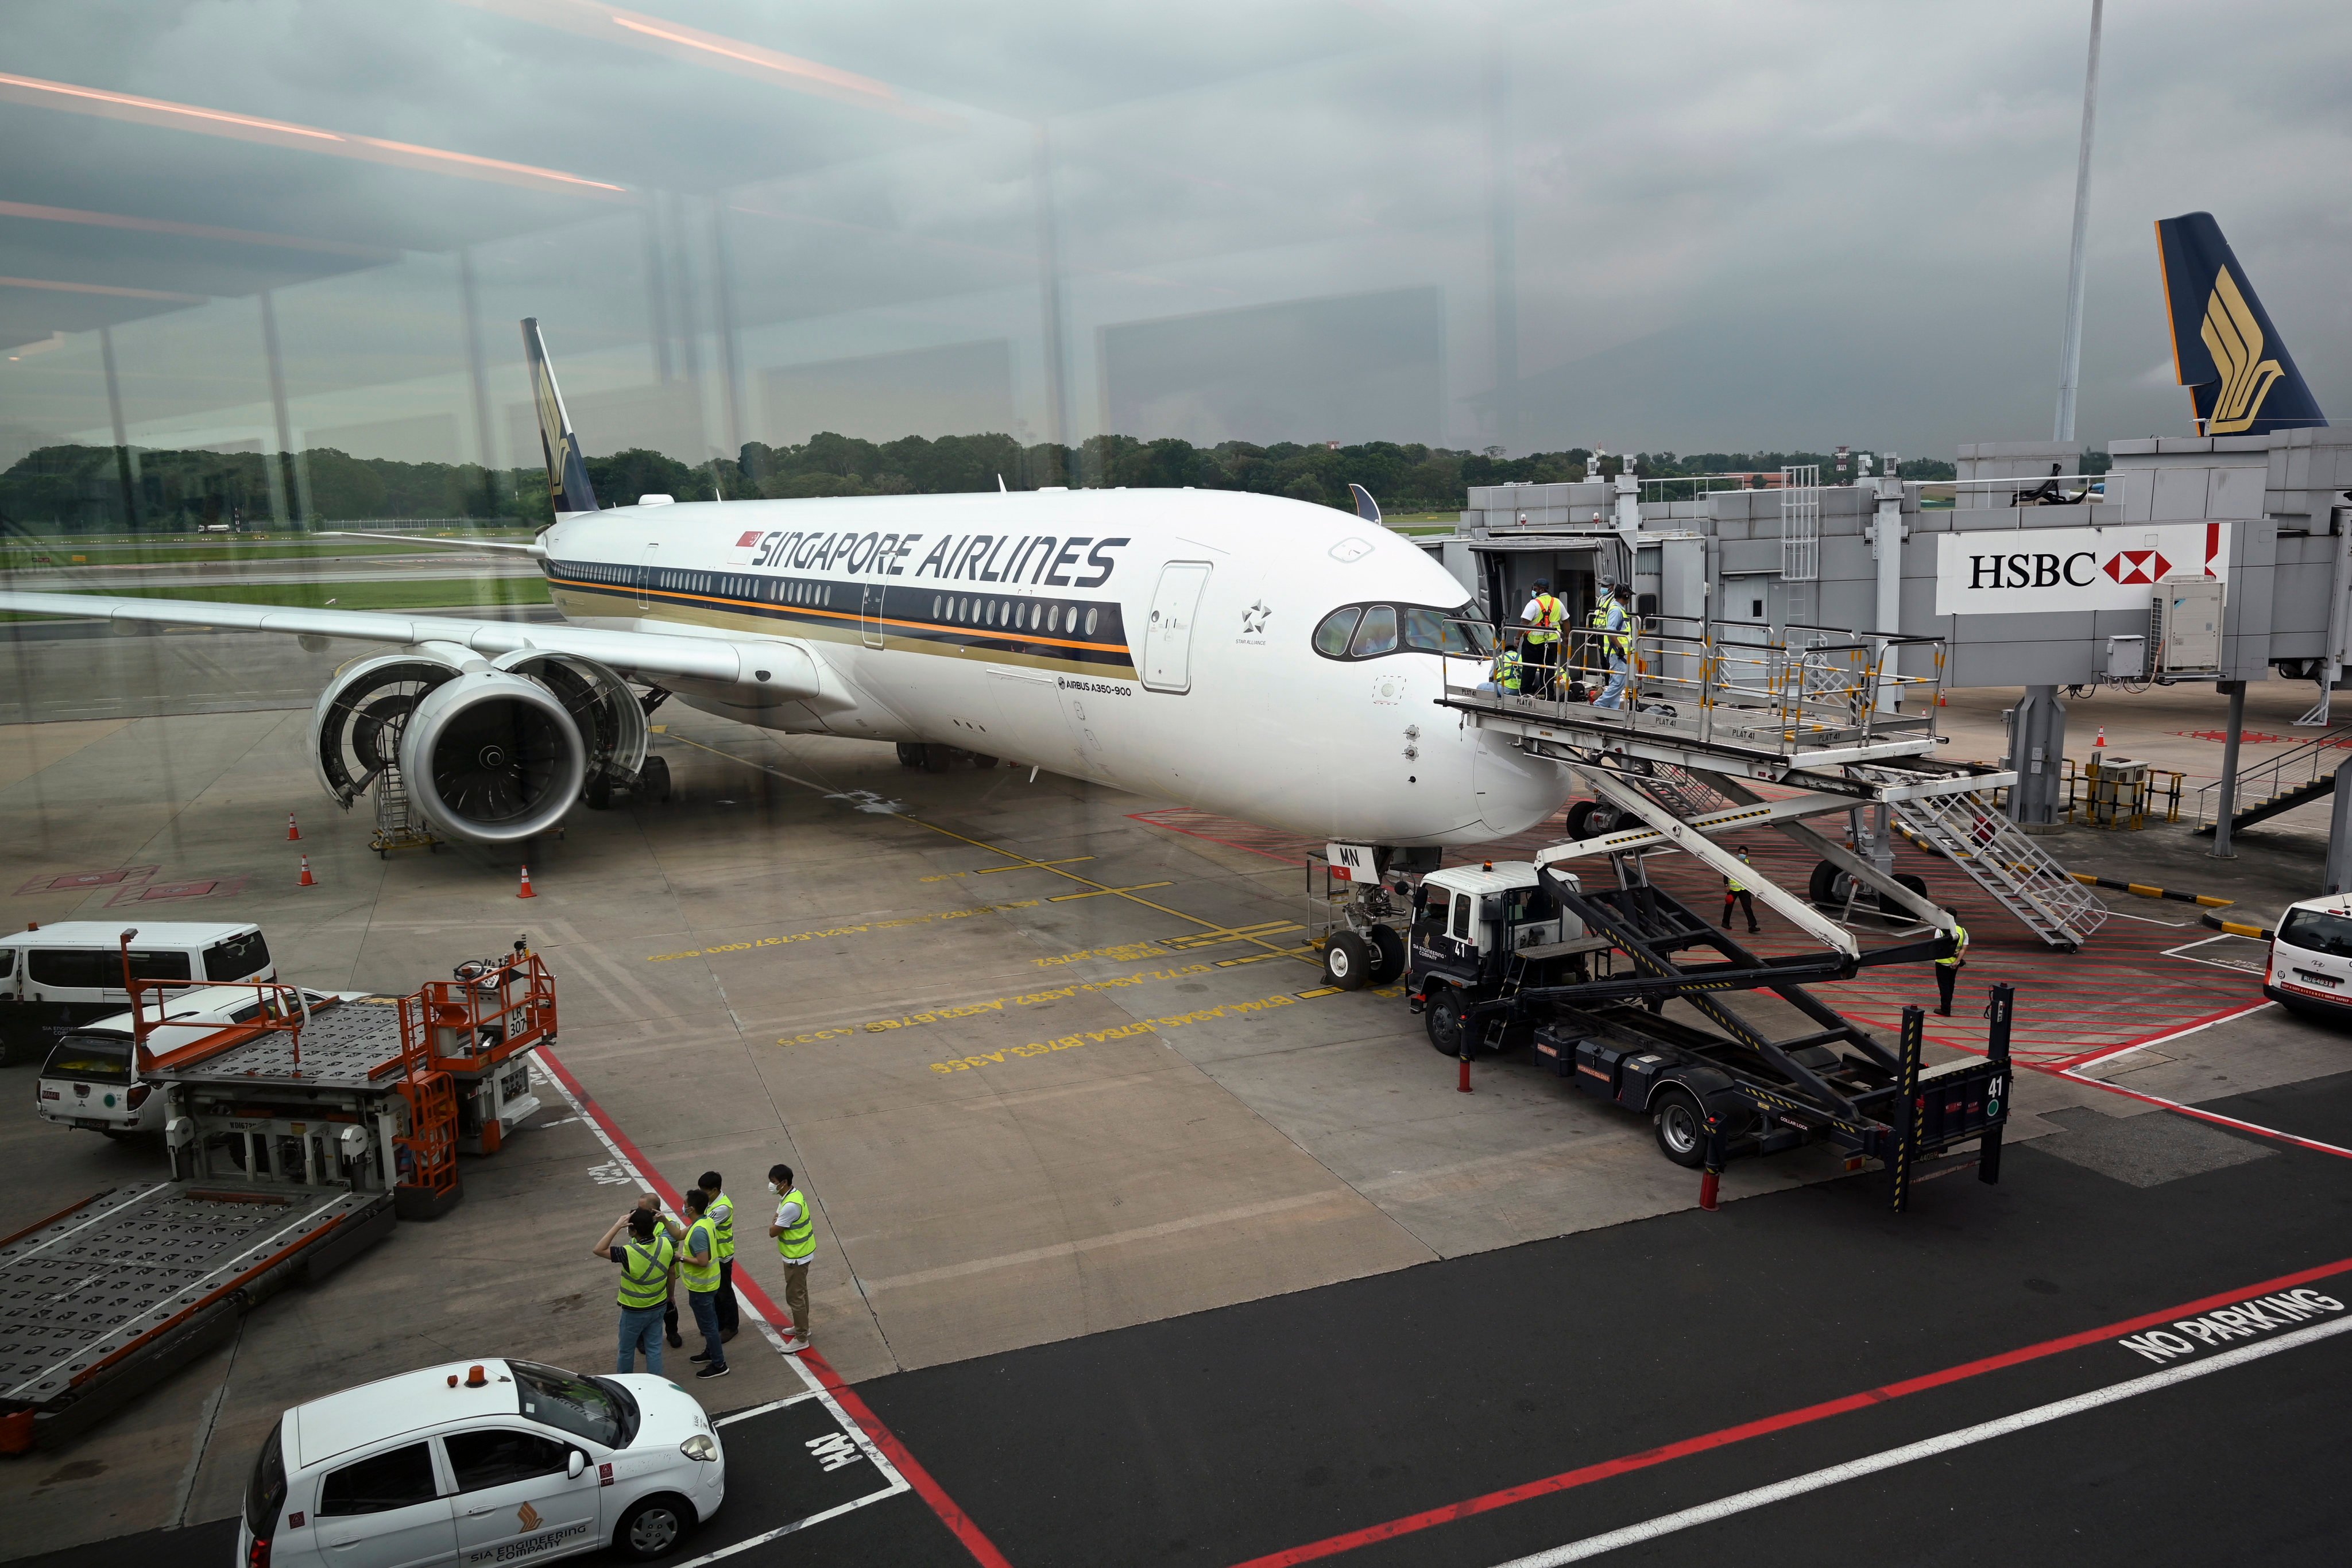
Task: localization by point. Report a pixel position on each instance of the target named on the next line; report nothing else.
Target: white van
(91, 1077)
(53, 977)
(2311, 960)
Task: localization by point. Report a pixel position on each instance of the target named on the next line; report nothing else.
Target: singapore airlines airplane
(1260, 658)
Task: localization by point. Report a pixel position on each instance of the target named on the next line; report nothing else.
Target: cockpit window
(1371, 630)
(1377, 635)
(1331, 637)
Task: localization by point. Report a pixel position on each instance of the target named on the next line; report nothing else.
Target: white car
(91, 1081)
(481, 1463)
(2310, 972)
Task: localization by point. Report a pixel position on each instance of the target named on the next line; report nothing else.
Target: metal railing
(2297, 767)
(1783, 690)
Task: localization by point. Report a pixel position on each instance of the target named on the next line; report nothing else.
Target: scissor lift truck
(1513, 953)
(295, 1138)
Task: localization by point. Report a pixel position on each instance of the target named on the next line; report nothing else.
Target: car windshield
(2315, 931)
(583, 1406)
(97, 1058)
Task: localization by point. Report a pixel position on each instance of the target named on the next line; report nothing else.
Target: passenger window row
(402, 1477)
(1016, 614)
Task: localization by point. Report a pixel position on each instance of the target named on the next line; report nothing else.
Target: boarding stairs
(1976, 835)
(2300, 774)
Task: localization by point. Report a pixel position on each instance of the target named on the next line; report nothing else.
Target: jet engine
(488, 753)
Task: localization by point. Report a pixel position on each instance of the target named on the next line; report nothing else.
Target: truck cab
(2310, 970)
(1481, 931)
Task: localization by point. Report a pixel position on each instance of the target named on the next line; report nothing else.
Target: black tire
(937, 757)
(653, 780)
(1681, 1126)
(1443, 1018)
(1917, 884)
(1388, 955)
(1347, 961)
(598, 795)
(1590, 818)
(1827, 886)
(981, 760)
(653, 1527)
(910, 754)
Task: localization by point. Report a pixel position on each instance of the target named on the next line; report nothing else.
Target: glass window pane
(397, 1479)
(1331, 637)
(1424, 631)
(493, 1458)
(1377, 635)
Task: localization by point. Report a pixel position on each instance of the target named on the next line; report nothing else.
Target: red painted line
(1147, 819)
(2213, 1116)
(959, 1525)
(1567, 1480)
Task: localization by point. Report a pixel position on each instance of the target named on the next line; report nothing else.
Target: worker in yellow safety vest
(1948, 968)
(795, 1234)
(697, 1265)
(1544, 614)
(722, 1221)
(649, 1261)
(1736, 890)
(1614, 621)
(1504, 674)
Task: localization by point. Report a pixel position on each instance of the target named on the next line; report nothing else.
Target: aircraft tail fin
(1366, 508)
(2241, 379)
(567, 471)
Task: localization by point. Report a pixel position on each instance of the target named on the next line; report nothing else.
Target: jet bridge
(1821, 712)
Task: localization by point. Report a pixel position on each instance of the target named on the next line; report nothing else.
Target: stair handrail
(2267, 771)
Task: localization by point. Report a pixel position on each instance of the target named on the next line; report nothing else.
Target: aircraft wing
(784, 668)
(534, 550)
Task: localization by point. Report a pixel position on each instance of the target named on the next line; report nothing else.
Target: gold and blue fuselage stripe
(1047, 630)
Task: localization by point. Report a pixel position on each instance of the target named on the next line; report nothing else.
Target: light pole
(2071, 367)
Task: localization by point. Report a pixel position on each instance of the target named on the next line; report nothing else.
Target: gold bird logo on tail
(2234, 338)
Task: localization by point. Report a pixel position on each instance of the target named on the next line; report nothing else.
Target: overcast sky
(1731, 224)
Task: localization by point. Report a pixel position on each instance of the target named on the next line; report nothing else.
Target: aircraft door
(870, 614)
(1168, 635)
(646, 576)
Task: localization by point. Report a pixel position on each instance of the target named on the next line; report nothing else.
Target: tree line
(79, 488)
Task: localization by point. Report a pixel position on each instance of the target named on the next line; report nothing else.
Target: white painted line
(1854, 1470)
(769, 1408)
(2189, 954)
(2163, 1038)
(814, 1389)
(784, 1529)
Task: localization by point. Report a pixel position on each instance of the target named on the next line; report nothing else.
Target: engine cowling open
(491, 756)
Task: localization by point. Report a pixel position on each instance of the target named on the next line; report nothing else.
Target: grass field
(438, 593)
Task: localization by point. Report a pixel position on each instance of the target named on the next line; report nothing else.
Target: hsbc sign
(2002, 571)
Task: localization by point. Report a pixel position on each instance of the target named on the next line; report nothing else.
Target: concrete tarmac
(1147, 1245)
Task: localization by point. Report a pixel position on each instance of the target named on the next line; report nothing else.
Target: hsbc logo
(2034, 570)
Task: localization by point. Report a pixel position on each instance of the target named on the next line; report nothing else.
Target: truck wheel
(1918, 884)
(1347, 961)
(1590, 818)
(1681, 1127)
(1388, 955)
(652, 1529)
(1827, 887)
(1442, 1017)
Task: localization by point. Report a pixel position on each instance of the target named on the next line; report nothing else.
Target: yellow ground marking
(1125, 953)
(1097, 892)
(1074, 860)
(1222, 934)
(852, 930)
(1301, 953)
(1317, 991)
(1128, 893)
(1142, 1026)
(954, 1011)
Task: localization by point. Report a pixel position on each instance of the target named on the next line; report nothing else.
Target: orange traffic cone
(307, 880)
(292, 832)
(525, 892)
(2102, 740)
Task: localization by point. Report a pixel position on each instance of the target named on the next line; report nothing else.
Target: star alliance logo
(1254, 619)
